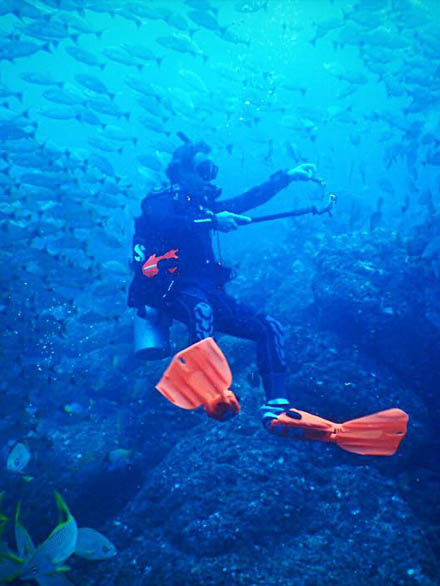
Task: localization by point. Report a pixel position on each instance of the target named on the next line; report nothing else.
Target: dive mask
(204, 167)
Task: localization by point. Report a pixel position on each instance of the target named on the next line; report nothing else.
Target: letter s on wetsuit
(194, 292)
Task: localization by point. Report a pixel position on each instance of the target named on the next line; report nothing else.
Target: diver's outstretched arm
(260, 194)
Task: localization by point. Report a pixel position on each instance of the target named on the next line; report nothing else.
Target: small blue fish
(92, 545)
(18, 458)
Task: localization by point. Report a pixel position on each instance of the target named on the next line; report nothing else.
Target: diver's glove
(303, 172)
(271, 409)
(228, 221)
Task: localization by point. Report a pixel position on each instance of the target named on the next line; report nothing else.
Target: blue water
(351, 87)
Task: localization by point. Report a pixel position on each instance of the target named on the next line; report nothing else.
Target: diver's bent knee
(278, 334)
(204, 320)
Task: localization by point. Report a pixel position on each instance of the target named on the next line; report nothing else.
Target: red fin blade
(378, 434)
(198, 375)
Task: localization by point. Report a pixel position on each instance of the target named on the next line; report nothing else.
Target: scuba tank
(152, 334)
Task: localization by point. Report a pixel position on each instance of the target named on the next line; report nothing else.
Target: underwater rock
(372, 294)
(228, 508)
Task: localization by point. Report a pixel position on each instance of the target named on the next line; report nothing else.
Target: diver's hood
(189, 161)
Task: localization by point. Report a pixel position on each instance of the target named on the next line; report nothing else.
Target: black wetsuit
(193, 293)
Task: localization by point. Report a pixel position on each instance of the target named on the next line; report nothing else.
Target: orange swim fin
(378, 434)
(200, 375)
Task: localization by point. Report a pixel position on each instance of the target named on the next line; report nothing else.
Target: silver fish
(18, 458)
(104, 145)
(64, 96)
(119, 55)
(17, 49)
(108, 108)
(84, 56)
(93, 84)
(40, 78)
(180, 43)
(142, 52)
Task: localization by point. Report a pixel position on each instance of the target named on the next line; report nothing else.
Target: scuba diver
(176, 276)
(188, 283)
